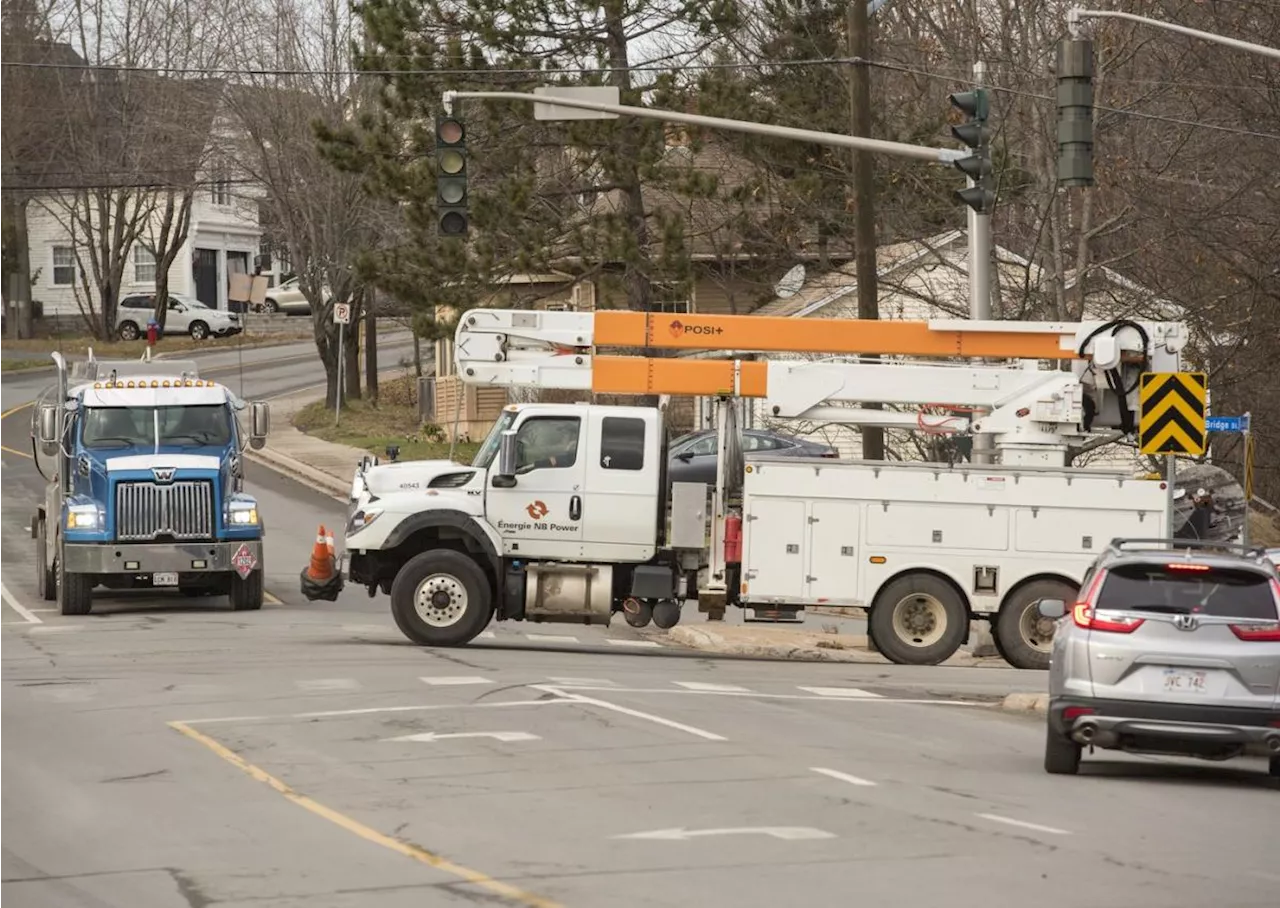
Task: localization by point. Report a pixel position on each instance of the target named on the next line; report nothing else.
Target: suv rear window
(1223, 592)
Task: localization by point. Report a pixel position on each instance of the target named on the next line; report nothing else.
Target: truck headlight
(84, 517)
(242, 514)
(361, 519)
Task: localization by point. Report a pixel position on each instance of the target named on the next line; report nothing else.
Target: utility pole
(864, 214)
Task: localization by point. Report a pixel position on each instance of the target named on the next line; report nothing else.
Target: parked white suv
(185, 316)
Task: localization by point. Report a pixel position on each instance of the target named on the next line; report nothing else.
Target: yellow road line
(475, 877)
(9, 450)
(12, 410)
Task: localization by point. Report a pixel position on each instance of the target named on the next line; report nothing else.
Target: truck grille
(181, 510)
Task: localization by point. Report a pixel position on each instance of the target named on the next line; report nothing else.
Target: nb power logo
(537, 510)
(680, 329)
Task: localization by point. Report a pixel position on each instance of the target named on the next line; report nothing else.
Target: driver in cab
(550, 445)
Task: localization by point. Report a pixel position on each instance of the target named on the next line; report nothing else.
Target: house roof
(89, 127)
(940, 263)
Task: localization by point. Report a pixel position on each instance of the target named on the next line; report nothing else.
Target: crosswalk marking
(647, 643)
(707, 687)
(845, 692)
(456, 680)
(551, 638)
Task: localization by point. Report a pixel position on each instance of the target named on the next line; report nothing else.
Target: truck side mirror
(259, 424)
(505, 478)
(49, 430)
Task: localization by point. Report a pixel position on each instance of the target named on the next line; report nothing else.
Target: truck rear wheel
(918, 619)
(46, 577)
(1025, 637)
(75, 592)
(246, 594)
(441, 598)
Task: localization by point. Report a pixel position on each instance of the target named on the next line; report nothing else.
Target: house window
(673, 298)
(64, 266)
(220, 190)
(144, 265)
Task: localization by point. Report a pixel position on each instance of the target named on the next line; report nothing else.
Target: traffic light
(974, 133)
(452, 218)
(1075, 112)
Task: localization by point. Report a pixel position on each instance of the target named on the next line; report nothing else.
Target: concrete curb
(1026, 703)
(296, 469)
(709, 641)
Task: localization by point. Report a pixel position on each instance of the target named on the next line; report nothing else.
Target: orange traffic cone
(328, 543)
(321, 568)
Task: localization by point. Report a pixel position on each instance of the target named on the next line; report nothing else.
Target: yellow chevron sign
(1171, 416)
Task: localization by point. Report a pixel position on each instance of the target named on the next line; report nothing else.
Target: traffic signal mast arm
(1031, 408)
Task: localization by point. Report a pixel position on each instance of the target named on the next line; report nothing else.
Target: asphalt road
(168, 752)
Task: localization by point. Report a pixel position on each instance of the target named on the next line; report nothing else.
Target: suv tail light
(1084, 616)
(1265, 633)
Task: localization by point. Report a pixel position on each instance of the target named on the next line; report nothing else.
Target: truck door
(620, 507)
(541, 516)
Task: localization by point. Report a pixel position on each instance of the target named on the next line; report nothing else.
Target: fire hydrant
(153, 331)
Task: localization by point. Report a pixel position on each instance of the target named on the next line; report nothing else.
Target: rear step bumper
(1113, 723)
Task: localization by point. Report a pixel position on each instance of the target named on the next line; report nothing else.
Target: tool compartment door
(833, 551)
(774, 550)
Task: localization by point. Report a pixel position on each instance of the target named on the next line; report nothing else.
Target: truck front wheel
(441, 598)
(75, 592)
(246, 593)
(919, 619)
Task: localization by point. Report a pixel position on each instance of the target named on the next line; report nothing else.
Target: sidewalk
(322, 464)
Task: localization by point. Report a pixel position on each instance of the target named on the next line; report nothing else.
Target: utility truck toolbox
(930, 546)
(146, 486)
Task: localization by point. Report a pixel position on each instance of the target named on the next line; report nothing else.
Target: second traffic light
(974, 133)
(452, 216)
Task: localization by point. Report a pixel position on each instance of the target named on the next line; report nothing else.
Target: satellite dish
(791, 283)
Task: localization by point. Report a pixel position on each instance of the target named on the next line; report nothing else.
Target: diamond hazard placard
(244, 561)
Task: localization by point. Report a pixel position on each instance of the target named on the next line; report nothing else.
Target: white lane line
(328, 684)
(870, 701)
(852, 693)
(374, 710)
(842, 776)
(455, 680)
(612, 642)
(17, 606)
(486, 635)
(996, 818)
(551, 638)
(55, 628)
(591, 682)
(627, 711)
(709, 688)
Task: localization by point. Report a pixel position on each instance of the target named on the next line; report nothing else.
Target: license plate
(170, 579)
(1180, 681)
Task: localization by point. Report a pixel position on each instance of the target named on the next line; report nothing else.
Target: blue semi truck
(145, 488)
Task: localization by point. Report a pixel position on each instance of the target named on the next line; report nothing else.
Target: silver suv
(1173, 648)
(186, 315)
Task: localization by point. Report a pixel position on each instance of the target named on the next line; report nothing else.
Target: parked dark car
(692, 458)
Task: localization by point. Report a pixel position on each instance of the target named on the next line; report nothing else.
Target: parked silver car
(1169, 651)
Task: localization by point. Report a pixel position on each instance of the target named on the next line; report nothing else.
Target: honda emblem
(163, 474)
(1186, 622)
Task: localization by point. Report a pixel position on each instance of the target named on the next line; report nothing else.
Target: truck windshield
(489, 450)
(120, 427)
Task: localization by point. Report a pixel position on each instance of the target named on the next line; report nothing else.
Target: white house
(126, 142)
